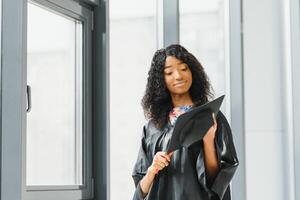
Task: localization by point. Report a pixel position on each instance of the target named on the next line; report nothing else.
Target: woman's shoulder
(150, 129)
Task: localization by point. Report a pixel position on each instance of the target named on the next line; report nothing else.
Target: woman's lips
(179, 84)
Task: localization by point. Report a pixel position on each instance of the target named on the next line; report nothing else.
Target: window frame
(73, 10)
(13, 99)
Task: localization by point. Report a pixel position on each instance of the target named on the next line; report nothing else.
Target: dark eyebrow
(171, 66)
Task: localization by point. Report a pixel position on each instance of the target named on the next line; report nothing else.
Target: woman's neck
(182, 100)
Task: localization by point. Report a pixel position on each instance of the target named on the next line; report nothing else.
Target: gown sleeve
(218, 188)
(140, 167)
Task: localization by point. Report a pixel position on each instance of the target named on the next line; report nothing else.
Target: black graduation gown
(185, 178)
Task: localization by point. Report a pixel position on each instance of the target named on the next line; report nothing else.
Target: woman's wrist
(209, 141)
(146, 182)
(152, 171)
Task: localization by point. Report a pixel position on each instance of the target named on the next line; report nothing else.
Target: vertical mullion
(78, 102)
(226, 29)
(13, 91)
(237, 95)
(170, 22)
(0, 95)
(101, 140)
(295, 93)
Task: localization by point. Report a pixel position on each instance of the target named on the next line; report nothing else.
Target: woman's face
(177, 75)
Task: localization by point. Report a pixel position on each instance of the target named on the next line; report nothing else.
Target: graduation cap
(192, 125)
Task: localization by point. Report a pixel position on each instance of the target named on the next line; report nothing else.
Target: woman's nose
(177, 75)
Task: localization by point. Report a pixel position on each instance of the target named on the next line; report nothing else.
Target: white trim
(287, 137)
(294, 17)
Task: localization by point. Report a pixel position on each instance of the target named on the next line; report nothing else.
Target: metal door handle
(28, 98)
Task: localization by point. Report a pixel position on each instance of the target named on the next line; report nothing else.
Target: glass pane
(202, 32)
(132, 45)
(54, 123)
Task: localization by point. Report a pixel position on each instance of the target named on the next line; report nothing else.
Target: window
(58, 131)
(54, 123)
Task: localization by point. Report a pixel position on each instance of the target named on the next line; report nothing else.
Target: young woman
(176, 84)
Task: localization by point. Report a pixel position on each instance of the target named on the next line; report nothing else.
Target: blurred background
(73, 74)
(266, 144)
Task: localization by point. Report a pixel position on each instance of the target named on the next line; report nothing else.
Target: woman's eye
(184, 69)
(169, 73)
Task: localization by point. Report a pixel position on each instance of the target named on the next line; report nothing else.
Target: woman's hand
(160, 161)
(210, 152)
(211, 133)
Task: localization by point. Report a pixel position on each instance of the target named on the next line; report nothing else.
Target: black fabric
(185, 177)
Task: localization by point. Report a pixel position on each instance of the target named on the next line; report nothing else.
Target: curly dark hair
(157, 102)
